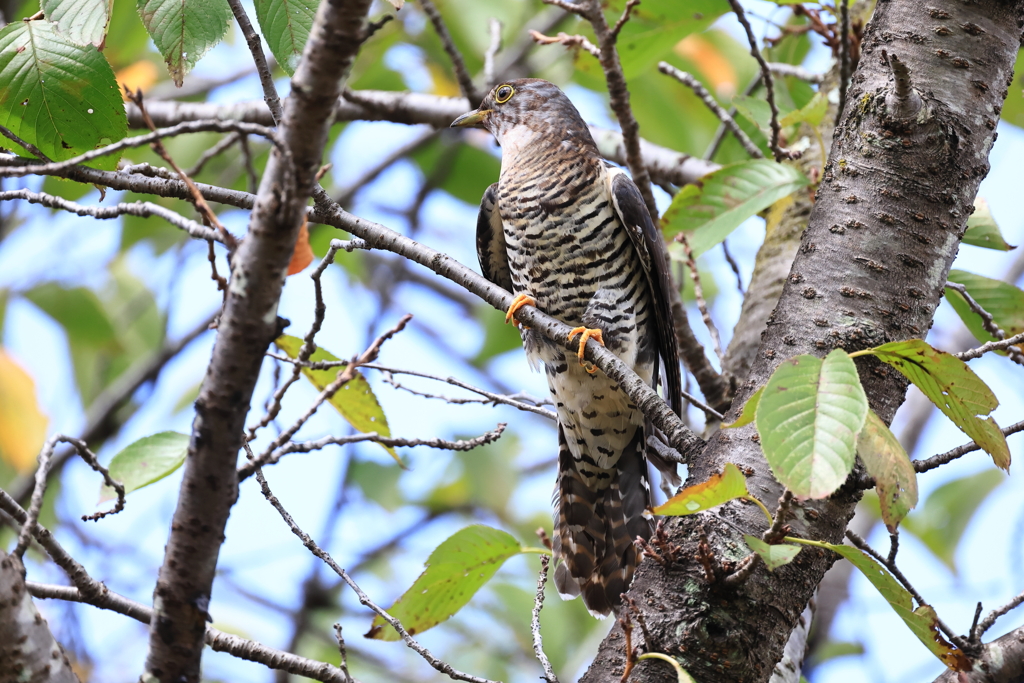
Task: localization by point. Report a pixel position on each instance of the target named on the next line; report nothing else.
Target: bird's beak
(472, 119)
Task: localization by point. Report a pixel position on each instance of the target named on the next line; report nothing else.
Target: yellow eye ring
(504, 93)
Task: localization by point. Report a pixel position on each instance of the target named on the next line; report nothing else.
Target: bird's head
(527, 108)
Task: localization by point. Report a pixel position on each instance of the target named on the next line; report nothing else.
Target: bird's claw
(517, 303)
(587, 334)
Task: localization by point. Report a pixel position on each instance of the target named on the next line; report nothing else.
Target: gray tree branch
(247, 326)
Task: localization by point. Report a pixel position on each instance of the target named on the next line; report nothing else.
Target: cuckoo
(569, 233)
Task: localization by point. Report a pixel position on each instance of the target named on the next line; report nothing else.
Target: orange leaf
(303, 254)
(138, 76)
(711, 62)
(22, 425)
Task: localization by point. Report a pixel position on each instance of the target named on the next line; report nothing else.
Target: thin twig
(844, 56)
(735, 267)
(140, 209)
(345, 375)
(270, 95)
(989, 621)
(458, 64)
(219, 641)
(719, 137)
(973, 634)
(538, 603)
(567, 40)
(1001, 345)
(248, 468)
(342, 651)
(627, 633)
(710, 102)
(32, 149)
(649, 642)
(221, 147)
(747, 566)
(778, 528)
(798, 72)
(949, 456)
(311, 545)
(28, 528)
(959, 641)
(766, 77)
(493, 48)
(345, 195)
(698, 290)
(156, 134)
(987, 321)
(197, 196)
(626, 12)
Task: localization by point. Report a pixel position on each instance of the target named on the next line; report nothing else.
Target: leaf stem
(681, 674)
(535, 551)
(761, 505)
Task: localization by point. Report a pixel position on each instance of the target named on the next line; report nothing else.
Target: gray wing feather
(647, 240)
(490, 241)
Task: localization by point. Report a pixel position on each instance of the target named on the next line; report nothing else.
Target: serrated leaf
(754, 109)
(58, 96)
(720, 488)
(719, 202)
(455, 571)
(982, 230)
(355, 401)
(285, 25)
(808, 419)
(184, 30)
(83, 22)
(922, 621)
(146, 461)
(1003, 301)
(886, 461)
(953, 388)
(22, 424)
(941, 521)
(774, 556)
(749, 411)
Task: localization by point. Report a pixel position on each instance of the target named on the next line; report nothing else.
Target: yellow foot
(588, 333)
(517, 303)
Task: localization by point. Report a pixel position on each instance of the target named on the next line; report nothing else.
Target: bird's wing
(647, 240)
(490, 241)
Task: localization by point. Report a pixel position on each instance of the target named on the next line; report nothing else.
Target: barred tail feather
(595, 529)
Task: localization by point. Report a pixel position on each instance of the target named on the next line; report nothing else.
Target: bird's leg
(517, 303)
(588, 333)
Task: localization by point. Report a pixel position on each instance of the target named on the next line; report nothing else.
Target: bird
(568, 232)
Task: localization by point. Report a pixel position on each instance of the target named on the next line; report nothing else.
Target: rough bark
(28, 651)
(247, 326)
(892, 207)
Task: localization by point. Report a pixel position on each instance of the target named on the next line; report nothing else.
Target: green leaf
(657, 26)
(58, 96)
(922, 622)
(755, 109)
(808, 420)
(285, 25)
(982, 230)
(717, 204)
(833, 649)
(184, 30)
(953, 387)
(455, 571)
(499, 336)
(886, 461)
(720, 488)
(146, 461)
(749, 411)
(774, 556)
(78, 311)
(1003, 301)
(379, 483)
(812, 113)
(355, 400)
(82, 22)
(940, 522)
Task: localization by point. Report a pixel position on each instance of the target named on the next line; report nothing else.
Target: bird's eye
(504, 93)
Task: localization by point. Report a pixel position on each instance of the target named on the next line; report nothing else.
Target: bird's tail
(595, 528)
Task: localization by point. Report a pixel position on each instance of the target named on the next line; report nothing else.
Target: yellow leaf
(443, 85)
(303, 254)
(138, 76)
(22, 426)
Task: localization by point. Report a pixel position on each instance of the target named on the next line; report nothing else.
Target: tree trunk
(898, 188)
